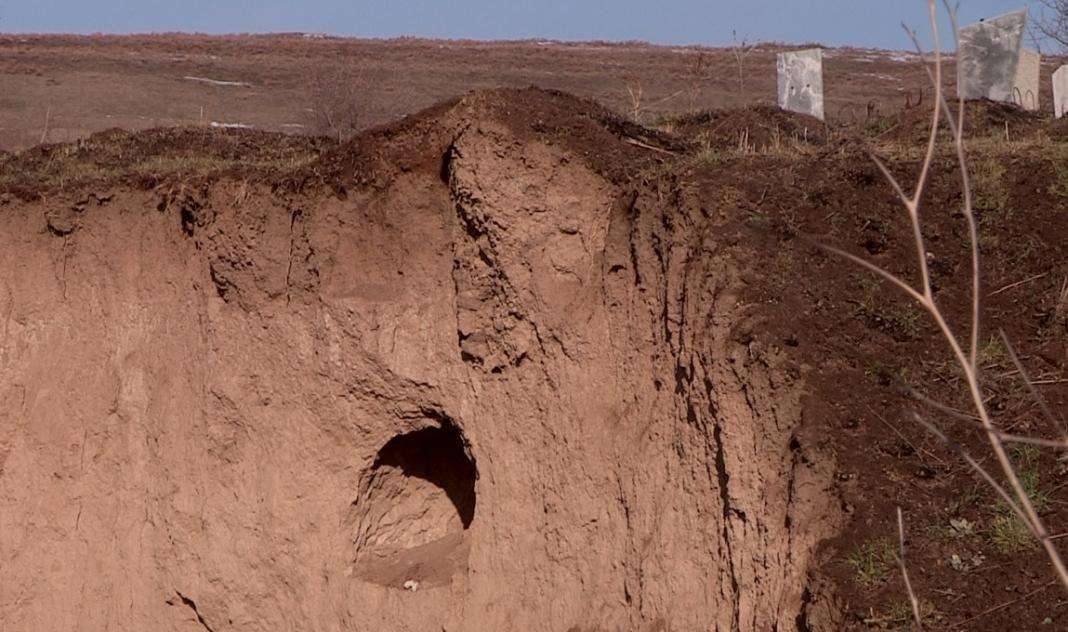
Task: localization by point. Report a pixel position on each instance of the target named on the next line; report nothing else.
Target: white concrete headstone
(1026, 87)
(1060, 91)
(989, 55)
(801, 82)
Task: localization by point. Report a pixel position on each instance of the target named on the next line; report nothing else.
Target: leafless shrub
(637, 107)
(1011, 491)
(1051, 23)
(337, 102)
(47, 125)
(740, 50)
(697, 75)
(634, 91)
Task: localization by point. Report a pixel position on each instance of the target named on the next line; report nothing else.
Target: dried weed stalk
(913, 601)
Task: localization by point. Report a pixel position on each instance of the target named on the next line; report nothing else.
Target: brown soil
(759, 128)
(861, 347)
(983, 119)
(511, 363)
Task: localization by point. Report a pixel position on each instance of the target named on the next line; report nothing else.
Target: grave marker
(989, 55)
(801, 82)
(1026, 86)
(1060, 91)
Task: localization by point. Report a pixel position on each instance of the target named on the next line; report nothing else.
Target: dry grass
(872, 562)
(188, 151)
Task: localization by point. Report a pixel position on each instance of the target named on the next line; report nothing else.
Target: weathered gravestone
(801, 82)
(1060, 91)
(988, 57)
(1026, 86)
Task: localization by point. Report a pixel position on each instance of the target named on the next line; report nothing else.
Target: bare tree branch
(1051, 22)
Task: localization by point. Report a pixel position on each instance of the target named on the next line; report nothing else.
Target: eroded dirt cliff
(494, 375)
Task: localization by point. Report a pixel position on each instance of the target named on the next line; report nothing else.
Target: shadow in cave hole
(438, 456)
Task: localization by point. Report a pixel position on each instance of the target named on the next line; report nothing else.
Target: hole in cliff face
(416, 501)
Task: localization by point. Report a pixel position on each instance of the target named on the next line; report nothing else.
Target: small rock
(961, 527)
(60, 225)
(926, 473)
(964, 565)
(411, 585)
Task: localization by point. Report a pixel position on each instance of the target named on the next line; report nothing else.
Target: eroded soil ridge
(495, 375)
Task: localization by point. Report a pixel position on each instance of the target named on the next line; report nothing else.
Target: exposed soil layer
(510, 363)
(471, 371)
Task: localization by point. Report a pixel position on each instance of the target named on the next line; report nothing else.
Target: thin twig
(905, 571)
(1031, 385)
(949, 410)
(1006, 604)
(638, 143)
(1017, 284)
(904, 438)
(1045, 443)
(47, 125)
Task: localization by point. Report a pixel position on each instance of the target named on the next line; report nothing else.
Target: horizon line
(322, 35)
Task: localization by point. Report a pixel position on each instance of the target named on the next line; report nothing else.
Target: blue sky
(873, 23)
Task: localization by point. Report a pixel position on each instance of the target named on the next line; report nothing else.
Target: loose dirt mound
(983, 119)
(756, 128)
(598, 137)
(144, 159)
(487, 378)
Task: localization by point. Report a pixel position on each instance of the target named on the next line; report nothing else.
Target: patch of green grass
(879, 126)
(993, 352)
(899, 318)
(899, 615)
(904, 319)
(708, 155)
(1026, 459)
(884, 374)
(1059, 187)
(989, 191)
(1008, 533)
(872, 562)
(867, 283)
(966, 499)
